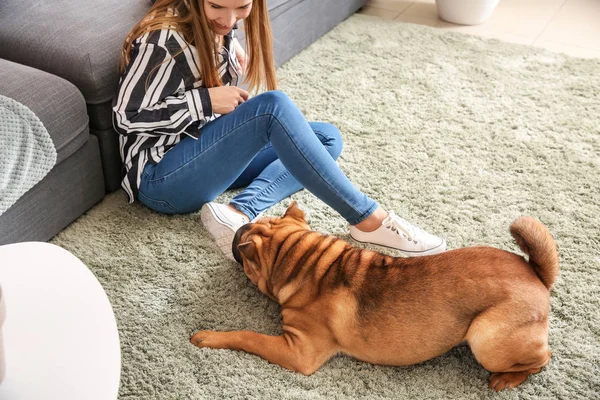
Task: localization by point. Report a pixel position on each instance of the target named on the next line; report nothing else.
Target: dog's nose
(236, 241)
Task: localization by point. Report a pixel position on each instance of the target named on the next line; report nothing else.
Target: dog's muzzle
(236, 241)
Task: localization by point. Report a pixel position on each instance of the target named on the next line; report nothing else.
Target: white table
(60, 334)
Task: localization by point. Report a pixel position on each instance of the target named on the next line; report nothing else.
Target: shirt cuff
(199, 104)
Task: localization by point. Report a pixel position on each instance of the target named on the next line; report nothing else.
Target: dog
(336, 298)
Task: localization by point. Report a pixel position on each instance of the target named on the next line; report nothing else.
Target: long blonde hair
(188, 18)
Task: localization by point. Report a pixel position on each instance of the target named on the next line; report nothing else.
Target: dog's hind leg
(291, 351)
(511, 350)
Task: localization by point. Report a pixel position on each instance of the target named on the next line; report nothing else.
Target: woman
(188, 133)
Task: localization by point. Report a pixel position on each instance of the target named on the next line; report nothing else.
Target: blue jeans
(265, 144)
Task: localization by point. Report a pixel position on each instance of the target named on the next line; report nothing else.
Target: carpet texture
(458, 134)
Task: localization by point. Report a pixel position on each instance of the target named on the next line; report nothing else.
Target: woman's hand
(225, 99)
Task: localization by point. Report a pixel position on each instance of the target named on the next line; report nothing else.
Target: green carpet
(458, 134)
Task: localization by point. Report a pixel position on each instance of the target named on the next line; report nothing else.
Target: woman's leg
(267, 181)
(194, 172)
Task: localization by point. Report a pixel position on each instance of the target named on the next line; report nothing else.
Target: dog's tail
(535, 240)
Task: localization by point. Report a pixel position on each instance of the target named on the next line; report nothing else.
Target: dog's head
(257, 245)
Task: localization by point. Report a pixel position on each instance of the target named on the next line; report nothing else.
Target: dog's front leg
(287, 350)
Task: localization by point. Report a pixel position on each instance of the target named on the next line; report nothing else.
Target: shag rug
(458, 134)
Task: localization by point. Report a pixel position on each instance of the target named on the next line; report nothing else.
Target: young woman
(188, 133)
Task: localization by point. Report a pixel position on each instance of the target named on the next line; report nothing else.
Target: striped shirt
(161, 99)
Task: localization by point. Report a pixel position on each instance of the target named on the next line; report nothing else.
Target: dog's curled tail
(535, 240)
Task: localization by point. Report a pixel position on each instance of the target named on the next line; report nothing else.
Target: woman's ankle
(373, 221)
(232, 207)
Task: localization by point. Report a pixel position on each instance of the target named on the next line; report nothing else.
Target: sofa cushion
(69, 190)
(55, 101)
(276, 7)
(78, 40)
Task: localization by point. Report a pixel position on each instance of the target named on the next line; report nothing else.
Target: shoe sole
(436, 250)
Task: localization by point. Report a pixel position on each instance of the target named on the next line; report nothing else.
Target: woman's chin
(221, 31)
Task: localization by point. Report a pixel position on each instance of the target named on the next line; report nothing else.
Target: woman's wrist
(199, 103)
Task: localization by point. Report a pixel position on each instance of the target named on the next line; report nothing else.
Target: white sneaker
(399, 234)
(222, 223)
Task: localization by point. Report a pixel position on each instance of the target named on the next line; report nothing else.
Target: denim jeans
(265, 145)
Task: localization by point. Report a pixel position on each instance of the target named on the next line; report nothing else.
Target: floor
(566, 26)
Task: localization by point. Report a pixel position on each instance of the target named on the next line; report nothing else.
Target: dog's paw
(202, 338)
(507, 380)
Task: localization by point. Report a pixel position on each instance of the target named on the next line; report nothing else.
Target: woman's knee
(330, 136)
(278, 104)
(275, 97)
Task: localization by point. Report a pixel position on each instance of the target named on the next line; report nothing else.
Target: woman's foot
(399, 234)
(222, 221)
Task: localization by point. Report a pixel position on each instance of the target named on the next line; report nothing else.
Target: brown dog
(336, 298)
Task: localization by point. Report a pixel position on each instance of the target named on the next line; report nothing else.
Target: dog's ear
(294, 211)
(248, 249)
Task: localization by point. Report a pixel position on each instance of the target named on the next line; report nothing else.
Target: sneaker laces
(241, 220)
(401, 226)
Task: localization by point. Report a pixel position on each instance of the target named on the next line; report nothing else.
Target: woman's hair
(187, 17)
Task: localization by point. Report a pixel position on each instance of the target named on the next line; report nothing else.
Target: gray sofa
(79, 41)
